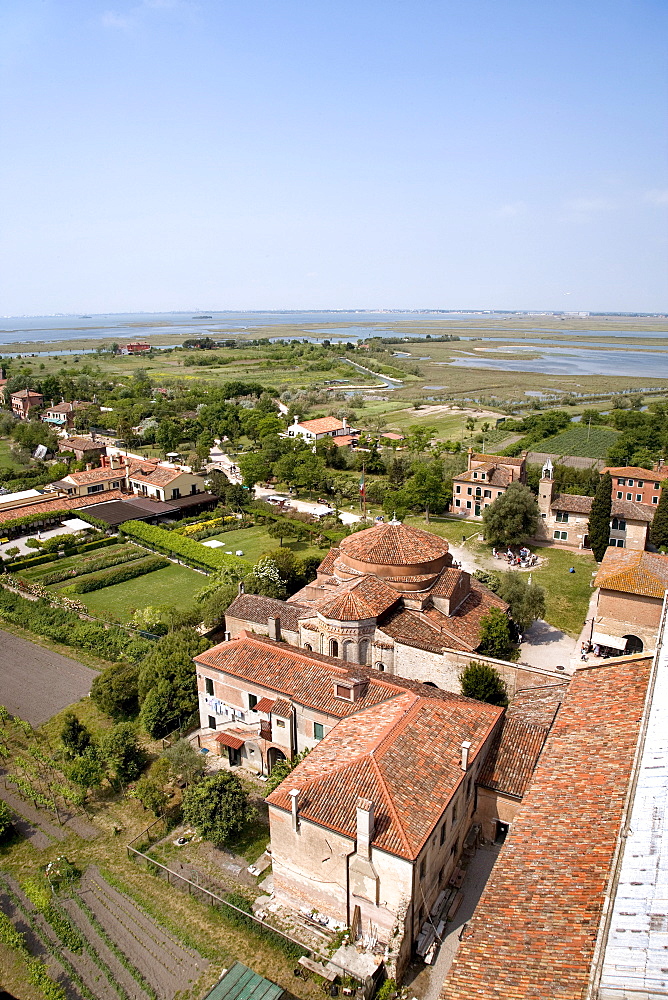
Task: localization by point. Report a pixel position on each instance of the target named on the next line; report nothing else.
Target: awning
(612, 641)
(228, 740)
(264, 705)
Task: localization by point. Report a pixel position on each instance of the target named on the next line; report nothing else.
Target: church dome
(405, 558)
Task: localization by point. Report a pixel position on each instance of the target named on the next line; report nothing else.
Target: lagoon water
(571, 361)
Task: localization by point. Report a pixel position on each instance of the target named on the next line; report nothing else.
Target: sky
(332, 154)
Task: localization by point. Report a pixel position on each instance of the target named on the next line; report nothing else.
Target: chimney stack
(345, 424)
(241, 588)
(227, 636)
(466, 746)
(294, 797)
(274, 625)
(364, 827)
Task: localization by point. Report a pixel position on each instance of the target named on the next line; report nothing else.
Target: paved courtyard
(36, 683)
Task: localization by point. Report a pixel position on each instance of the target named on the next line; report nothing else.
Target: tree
(167, 678)
(512, 518)
(114, 691)
(214, 605)
(265, 580)
(6, 820)
(74, 735)
(280, 771)
(217, 807)
(150, 792)
(484, 683)
(149, 619)
(87, 772)
(526, 600)
(121, 752)
(599, 518)
(254, 468)
(283, 528)
(495, 637)
(659, 530)
(158, 714)
(184, 761)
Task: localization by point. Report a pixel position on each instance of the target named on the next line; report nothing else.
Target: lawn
(7, 460)
(567, 594)
(253, 542)
(586, 442)
(175, 586)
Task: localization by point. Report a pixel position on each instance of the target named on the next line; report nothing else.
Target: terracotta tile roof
(572, 502)
(632, 511)
(153, 475)
(322, 425)
(447, 582)
(308, 678)
(517, 746)
(403, 755)
(362, 599)
(100, 475)
(26, 394)
(344, 440)
(265, 705)
(533, 934)
(252, 608)
(326, 567)
(80, 444)
(229, 740)
(62, 503)
(413, 629)
(498, 459)
(282, 708)
(633, 472)
(392, 436)
(632, 572)
(394, 544)
(495, 477)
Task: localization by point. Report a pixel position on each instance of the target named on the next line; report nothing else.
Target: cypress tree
(658, 533)
(599, 518)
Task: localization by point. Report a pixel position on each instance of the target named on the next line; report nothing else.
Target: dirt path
(163, 961)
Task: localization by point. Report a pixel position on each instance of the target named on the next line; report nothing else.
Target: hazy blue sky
(253, 154)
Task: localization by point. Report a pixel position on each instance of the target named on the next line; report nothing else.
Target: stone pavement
(545, 646)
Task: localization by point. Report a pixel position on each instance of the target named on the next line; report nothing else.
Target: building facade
(24, 401)
(637, 485)
(632, 585)
(321, 427)
(485, 480)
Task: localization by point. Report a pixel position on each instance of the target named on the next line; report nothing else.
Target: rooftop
(26, 394)
(100, 475)
(633, 572)
(633, 472)
(80, 444)
(393, 544)
(153, 474)
(60, 503)
(498, 459)
(251, 608)
(322, 425)
(403, 755)
(364, 598)
(533, 934)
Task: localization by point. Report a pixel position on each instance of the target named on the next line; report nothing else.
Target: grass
(254, 541)
(567, 594)
(587, 442)
(36, 573)
(7, 460)
(174, 586)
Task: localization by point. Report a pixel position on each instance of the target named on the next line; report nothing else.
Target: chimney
(274, 624)
(469, 458)
(466, 746)
(240, 588)
(294, 808)
(364, 827)
(227, 636)
(345, 424)
(89, 466)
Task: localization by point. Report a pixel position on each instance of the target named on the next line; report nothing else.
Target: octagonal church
(389, 597)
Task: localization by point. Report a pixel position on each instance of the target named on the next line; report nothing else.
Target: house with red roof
(631, 591)
(321, 427)
(486, 479)
(23, 401)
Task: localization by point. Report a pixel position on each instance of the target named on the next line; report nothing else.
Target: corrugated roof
(533, 934)
(241, 983)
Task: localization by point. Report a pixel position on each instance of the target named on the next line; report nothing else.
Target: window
(561, 536)
(468, 503)
(423, 868)
(252, 701)
(343, 692)
(98, 488)
(468, 789)
(621, 482)
(333, 647)
(212, 722)
(208, 685)
(457, 502)
(629, 496)
(176, 494)
(630, 482)
(620, 495)
(475, 475)
(640, 483)
(618, 524)
(655, 499)
(618, 542)
(639, 497)
(488, 493)
(454, 815)
(482, 475)
(444, 827)
(380, 666)
(656, 486)
(469, 491)
(562, 517)
(318, 730)
(307, 645)
(458, 489)
(280, 723)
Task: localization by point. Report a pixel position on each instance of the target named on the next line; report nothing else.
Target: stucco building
(630, 599)
(24, 401)
(486, 478)
(640, 485)
(321, 427)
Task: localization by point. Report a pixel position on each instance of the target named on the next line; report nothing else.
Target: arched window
(364, 651)
(348, 651)
(307, 645)
(379, 666)
(633, 644)
(333, 647)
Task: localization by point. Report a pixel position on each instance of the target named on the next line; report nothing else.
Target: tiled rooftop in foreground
(534, 932)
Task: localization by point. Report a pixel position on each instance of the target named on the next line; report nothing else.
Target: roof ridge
(390, 803)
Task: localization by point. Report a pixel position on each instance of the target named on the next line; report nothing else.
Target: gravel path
(36, 683)
(163, 961)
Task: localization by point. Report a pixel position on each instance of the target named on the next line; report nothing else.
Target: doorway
(501, 832)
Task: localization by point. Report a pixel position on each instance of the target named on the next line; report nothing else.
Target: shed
(240, 983)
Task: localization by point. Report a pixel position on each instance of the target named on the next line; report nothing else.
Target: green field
(174, 586)
(7, 460)
(586, 442)
(254, 541)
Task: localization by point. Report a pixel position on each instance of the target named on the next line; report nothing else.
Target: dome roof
(394, 544)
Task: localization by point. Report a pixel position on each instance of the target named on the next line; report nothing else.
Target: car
(277, 501)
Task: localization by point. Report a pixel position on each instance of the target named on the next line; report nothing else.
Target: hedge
(96, 581)
(68, 628)
(171, 544)
(92, 565)
(45, 557)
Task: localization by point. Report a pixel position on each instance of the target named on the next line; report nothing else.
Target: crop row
(96, 581)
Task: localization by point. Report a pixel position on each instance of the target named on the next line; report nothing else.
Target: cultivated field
(587, 442)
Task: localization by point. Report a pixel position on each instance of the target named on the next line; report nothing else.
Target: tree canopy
(599, 517)
(484, 683)
(217, 807)
(526, 600)
(659, 529)
(114, 690)
(495, 638)
(512, 518)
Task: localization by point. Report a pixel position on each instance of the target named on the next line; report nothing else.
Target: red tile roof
(252, 608)
(26, 394)
(632, 471)
(265, 705)
(153, 475)
(327, 565)
(322, 425)
(394, 544)
(62, 503)
(632, 572)
(344, 440)
(282, 708)
(494, 477)
(80, 444)
(533, 934)
(403, 755)
(364, 598)
(497, 459)
(572, 502)
(630, 510)
(100, 475)
(228, 740)
(436, 631)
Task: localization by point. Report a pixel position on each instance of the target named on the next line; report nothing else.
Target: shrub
(114, 691)
(217, 807)
(173, 544)
(482, 682)
(128, 554)
(128, 572)
(6, 821)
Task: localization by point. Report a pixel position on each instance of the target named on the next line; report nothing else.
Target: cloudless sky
(278, 154)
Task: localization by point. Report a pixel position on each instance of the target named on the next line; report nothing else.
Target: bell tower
(545, 488)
